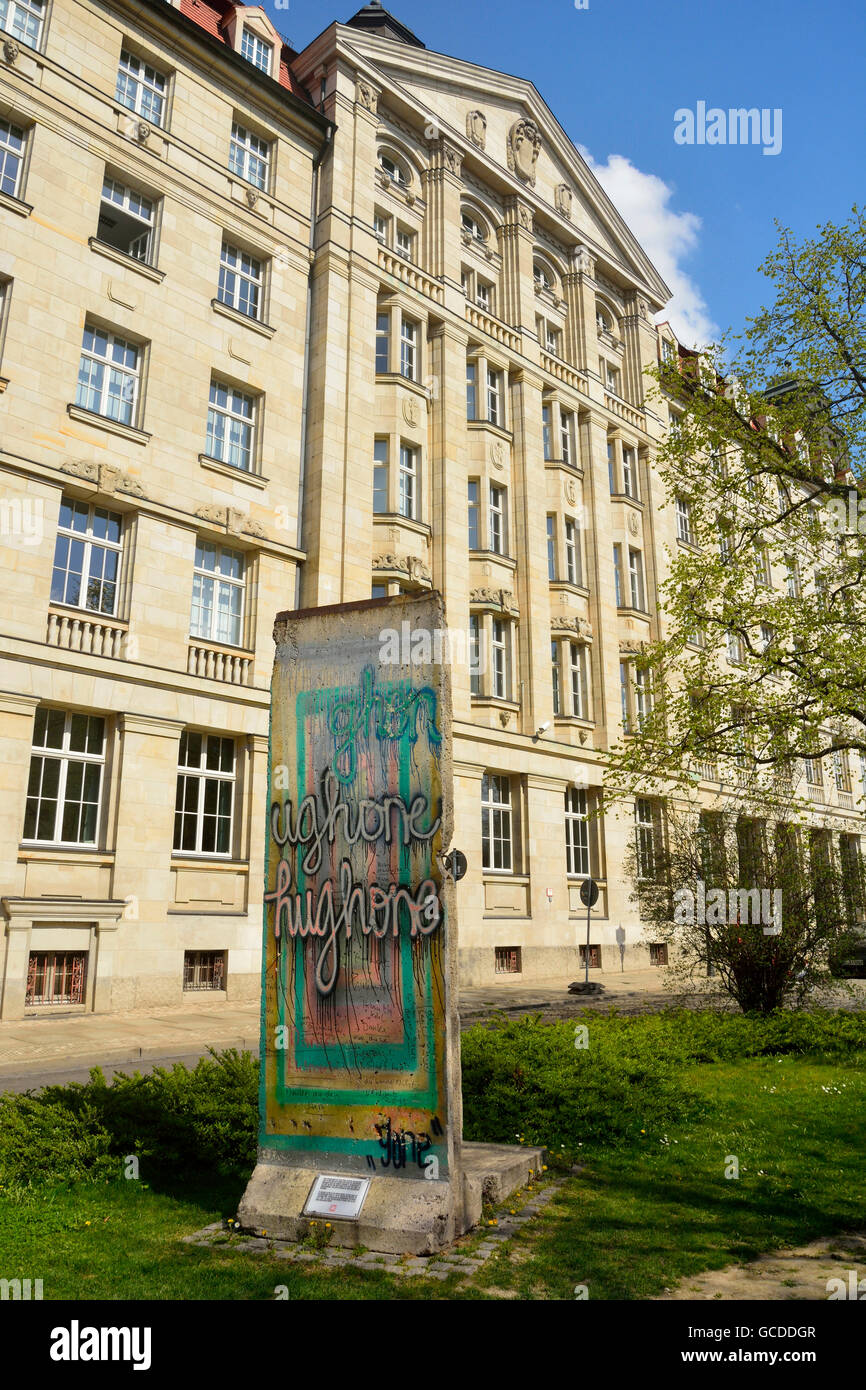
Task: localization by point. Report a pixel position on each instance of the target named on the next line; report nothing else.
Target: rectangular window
(496, 823)
(141, 88)
(625, 700)
(380, 475)
(87, 555)
(249, 156)
(380, 226)
(658, 953)
(762, 562)
(498, 521)
(814, 772)
(240, 283)
(579, 684)
(576, 833)
(474, 654)
(572, 553)
(108, 376)
(617, 574)
(507, 960)
(484, 296)
(56, 977)
(629, 472)
(255, 50)
(494, 397)
(792, 579)
(545, 432)
(218, 594)
(126, 220)
(735, 648)
(471, 391)
(635, 579)
(556, 678)
(684, 521)
(553, 339)
(231, 421)
(501, 659)
(204, 970)
(383, 343)
(11, 158)
(65, 786)
(642, 696)
(473, 514)
(645, 833)
(611, 467)
(205, 794)
(551, 547)
(594, 956)
(841, 769)
(409, 350)
(403, 243)
(612, 378)
(408, 481)
(566, 435)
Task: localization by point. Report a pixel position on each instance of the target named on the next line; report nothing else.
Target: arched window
(394, 170)
(474, 226)
(542, 275)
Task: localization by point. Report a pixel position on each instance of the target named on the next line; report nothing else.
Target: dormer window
(473, 227)
(255, 50)
(542, 276)
(668, 352)
(393, 170)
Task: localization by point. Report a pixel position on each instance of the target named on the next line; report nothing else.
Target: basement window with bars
(508, 960)
(204, 970)
(56, 977)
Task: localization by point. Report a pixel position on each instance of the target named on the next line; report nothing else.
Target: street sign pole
(589, 896)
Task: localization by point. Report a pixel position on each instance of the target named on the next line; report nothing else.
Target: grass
(643, 1215)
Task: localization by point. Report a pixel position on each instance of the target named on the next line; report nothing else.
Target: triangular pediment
(489, 114)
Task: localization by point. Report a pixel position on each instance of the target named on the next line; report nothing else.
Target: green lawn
(637, 1220)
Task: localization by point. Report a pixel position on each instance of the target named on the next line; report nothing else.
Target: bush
(177, 1122)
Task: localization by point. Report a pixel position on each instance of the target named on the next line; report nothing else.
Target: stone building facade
(304, 328)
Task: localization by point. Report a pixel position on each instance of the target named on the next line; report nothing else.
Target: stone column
(529, 520)
(442, 186)
(580, 328)
(641, 348)
(516, 242)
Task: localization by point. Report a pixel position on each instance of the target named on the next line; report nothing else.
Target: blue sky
(615, 73)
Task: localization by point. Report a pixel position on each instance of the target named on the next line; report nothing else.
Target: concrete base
(400, 1215)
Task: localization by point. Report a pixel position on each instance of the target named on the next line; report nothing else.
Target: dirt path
(798, 1274)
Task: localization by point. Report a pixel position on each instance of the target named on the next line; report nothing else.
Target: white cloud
(668, 237)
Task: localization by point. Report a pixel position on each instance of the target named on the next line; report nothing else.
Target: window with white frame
(500, 658)
(383, 343)
(87, 555)
(572, 552)
(577, 857)
(767, 636)
(474, 654)
(629, 472)
(625, 697)
(792, 577)
(497, 829)
(566, 436)
(611, 378)
(546, 436)
(635, 580)
(12, 140)
(668, 352)
(109, 375)
(255, 50)
(408, 482)
(494, 397)
(231, 422)
(380, 227)
(611, 467)
(471, 390)
(395, 172)
(498, 520)
(380, 475)
(642, 696)
(141, 88)
(218, 584)
(684, 520)
(617, 575)
(551, 547)
(241, 281)
(734, 648)
(473, 514)
(542, 276)
(66, 774)
(556, 677)
(841, 769)
(577, 665)
(127, 220)
(553, 340)
(484, 295)
(204, 803)
(646, 837)
(762, 566)
(404, 243)
(471, 225)
(23, 20)
(409, 349)
(249, 156)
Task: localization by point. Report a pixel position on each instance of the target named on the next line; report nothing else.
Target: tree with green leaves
(760, 669)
